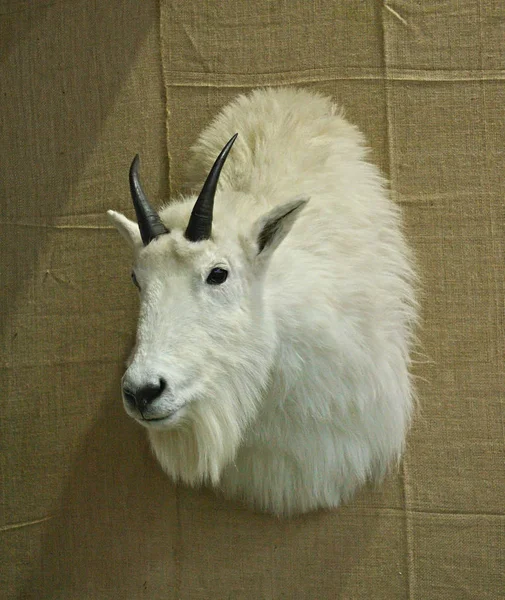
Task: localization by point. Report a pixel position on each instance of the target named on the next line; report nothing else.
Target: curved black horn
(200, 223)
(150, 224)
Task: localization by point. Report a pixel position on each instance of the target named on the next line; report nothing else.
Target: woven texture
(85, 510)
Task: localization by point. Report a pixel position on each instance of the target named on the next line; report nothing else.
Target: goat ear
(128, 229)
(270, 229)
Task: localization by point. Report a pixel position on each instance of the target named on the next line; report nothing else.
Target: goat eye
(217, 276)
(134, 279)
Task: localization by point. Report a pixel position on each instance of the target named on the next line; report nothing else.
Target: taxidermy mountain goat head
(276, 310)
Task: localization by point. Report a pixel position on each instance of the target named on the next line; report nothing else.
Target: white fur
(291, 379)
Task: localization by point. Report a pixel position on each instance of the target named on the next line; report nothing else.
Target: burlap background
(85, 511)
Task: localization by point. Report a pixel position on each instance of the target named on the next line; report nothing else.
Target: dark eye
(217, 276)
(134, 279)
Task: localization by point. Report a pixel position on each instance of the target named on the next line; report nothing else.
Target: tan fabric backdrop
(85, 511)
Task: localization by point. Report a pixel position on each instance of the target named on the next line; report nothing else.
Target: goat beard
(197, 450)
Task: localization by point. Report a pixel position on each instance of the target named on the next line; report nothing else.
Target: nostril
(148, 393)
(144, 395)
(130, 396)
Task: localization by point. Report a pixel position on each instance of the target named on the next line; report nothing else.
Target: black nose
(144, 395)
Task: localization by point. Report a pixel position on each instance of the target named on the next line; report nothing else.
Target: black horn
(200, 223)
(150, 224)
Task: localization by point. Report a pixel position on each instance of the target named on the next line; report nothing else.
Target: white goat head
(272, 351)
(204, 343)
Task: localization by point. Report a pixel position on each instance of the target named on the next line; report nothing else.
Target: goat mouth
(156, 421)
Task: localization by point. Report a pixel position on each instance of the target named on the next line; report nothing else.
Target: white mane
(299, 387)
